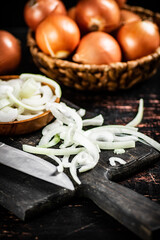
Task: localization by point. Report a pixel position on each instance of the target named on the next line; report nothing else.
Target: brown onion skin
(10, 52)
(61, 32)
(36, 11)
(97, 15)
(72, 13)
(98, 48)
(128, 17)
(138, 39)
(121, 2)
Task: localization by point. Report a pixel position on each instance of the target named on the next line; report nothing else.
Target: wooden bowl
(113, 77)
(28, 125)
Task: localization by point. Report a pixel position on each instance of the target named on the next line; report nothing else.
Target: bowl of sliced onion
(24, 100)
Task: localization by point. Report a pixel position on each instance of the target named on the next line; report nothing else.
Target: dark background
(11, 12)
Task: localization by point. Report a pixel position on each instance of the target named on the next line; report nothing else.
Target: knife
(33, 165)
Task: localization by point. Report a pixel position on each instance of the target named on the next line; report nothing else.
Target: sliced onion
(44, 79)
(96, 121)
(27, 95)
(102, 136)
(144, 137)
(51, 126)
(92, 148)
(73, 169)
(37, 100)
(58, 160)
(68, 137)
(21, 117)
(139, 116)
(4, 102)
(34, 101)
(8, 114)
(4, 89)
(29, 87)
(47, 137)
(81, 112)
(66, 114)
(65, 162)
(53, 142)
(119, 151)
(113, 160)
(51, 152)
(115, 145)
(20, 103)
(86, 144)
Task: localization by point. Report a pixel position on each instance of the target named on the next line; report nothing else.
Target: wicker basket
(120, 75)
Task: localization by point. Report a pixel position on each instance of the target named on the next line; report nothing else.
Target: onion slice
(44, 79)
(113, 160)
(86, 145)
(139, 116)
(20, 103)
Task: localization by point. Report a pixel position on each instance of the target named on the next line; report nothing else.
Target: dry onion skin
(26, 97)
(138, 39)
(97, 15)
(35, 11)
(121, 2)
(57, 35)
(71, 146)
(98, 48)
(10, 52)
(128, 16)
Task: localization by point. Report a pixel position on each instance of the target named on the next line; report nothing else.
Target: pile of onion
(92, 31)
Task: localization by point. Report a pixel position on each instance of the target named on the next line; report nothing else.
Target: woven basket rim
(75, 65)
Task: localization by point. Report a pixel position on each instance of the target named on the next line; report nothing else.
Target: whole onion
(97, 15)
(98, 48)
(35, 11)
(138, 39)
(57, 35)
(10, 52)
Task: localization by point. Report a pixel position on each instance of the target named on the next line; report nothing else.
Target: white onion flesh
(40, 78)
(8, 114)
(96, 121)
(119, 151)
(139, 116)
(113, 160)
(86, 144)
(27, 95)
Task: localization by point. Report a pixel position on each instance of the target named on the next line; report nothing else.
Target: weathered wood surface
(28, 197)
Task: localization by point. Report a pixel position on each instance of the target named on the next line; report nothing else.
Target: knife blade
(33, 165)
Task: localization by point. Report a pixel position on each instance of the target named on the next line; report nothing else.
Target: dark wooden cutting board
(28, 197)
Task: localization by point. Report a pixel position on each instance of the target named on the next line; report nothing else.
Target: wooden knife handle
(133, 210)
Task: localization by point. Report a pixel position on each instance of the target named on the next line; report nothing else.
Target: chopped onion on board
(86, 145)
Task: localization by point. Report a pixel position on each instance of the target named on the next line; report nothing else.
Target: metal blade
(33, 165)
